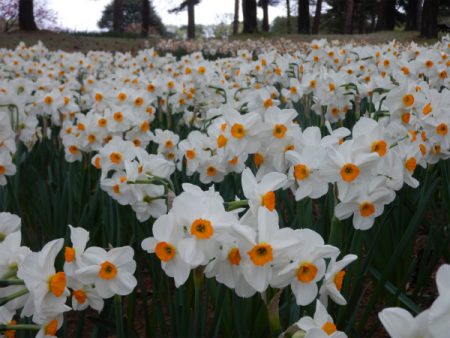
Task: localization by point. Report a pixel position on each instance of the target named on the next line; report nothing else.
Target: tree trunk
(249, 14)
(429, 19)
(419, 12)
(348, 17)
(265, 8)
(390, 15)
(26, 15)
(361, 17)
(145, 18)
(288, 15)
(118, 16)
(236, 17)
(191, 20)
(411, 15)
(386, 15)
(381, 22)
(303, 17)
(316, 23)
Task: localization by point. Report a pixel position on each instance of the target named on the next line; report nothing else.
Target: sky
(83, 15)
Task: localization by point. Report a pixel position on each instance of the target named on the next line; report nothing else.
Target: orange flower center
(268, 200)
(122, 97)
(423, 149)
(406, 117)
(233, 161)
(165, 251)
(301, 172)
(211, 171)
(202, 228)
(51, 328)
(268, 103)
(10, 333)
(261, 254)
(80, 296)
(427, 109)
(408, 100)
(145, 126)
(57, 283)
(258, 159)
(115, 158)
(221, 141)
(234, 256)
(48, 100)
(379, 147)
(98, 162)
(2, 170)
(102, 122)
(279, 130)
(339, 279)
(73, 149)
(118, 116)
(442, 129)
(139, 101)
(306, 272)
(349, 172)
(329, 328)
(411, 164)
(190, 154)
(69, 254)
(238, 131)
(366, 209)
(91, 138)
(98, 97)
(169, 144)
(107, 270)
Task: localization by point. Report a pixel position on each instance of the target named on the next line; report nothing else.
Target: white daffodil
(321, 326)
(333, 280)
(111, 271)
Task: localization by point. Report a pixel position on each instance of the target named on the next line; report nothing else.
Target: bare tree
(411, 15)
(428, 26)
(26, 15)
(288, 15)
(264, 4)
(145, 18)
(316, 22)
(249, 14)
(303, 17)
(117, 15)
(348, 17)
(236, 17)
(190, 6)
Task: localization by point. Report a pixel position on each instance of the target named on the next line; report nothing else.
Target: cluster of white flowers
(131, 176)
(245, 109)
(249, 253)
(29, 282)
(7, 148)
(275, 117)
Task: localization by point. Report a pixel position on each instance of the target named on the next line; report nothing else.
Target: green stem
(15, 295)
(19, 327)
(9, 274)
(229, 206)
(273, 312)
(198, 285)
(8, 282)
(119, 317)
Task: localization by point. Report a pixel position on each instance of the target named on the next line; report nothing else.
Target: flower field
(276, 190)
